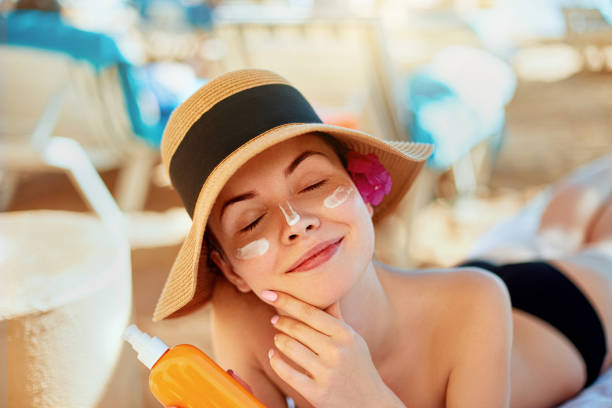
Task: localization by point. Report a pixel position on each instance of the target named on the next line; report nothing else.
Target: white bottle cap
(149, 349)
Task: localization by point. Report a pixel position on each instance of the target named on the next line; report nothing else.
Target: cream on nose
(291, 216)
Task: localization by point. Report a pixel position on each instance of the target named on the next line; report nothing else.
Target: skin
(356, 332)
(365, 333)
(286, 242)
(546, 368)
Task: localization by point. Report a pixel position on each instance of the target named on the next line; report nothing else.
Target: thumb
(334, 310)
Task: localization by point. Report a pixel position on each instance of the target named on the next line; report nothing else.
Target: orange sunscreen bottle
(184, 376)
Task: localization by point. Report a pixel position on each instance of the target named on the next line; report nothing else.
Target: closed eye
(314, 186)
(252, 225)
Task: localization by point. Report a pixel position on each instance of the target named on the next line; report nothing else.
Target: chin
(333, 285)
(337, 277)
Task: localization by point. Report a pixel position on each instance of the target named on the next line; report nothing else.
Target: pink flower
(369, 175)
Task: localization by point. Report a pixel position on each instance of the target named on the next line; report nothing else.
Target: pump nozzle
(149, 349)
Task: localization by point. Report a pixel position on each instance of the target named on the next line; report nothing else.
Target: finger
(298, 353)
(240, 380)
(314, 340)
(299, 381)
(312, 316)
(334, 310)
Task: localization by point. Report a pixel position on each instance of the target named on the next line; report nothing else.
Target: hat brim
(189, 284)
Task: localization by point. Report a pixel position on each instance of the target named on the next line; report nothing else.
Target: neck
(368, 310)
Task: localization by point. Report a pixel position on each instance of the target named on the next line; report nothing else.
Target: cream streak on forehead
(253, 249)
(338, 197)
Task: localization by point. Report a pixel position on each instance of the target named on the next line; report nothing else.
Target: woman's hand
(235, 377)
(337, 358)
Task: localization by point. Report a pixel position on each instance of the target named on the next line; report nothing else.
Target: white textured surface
(69, 301)
(48, 258)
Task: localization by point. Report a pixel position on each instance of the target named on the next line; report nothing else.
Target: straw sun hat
(218, 129)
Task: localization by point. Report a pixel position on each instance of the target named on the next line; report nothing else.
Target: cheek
(341, 195)
(342, 203)
(365, 234)
(345, 204)
(363, 228)
(254, 262)
(253, 249)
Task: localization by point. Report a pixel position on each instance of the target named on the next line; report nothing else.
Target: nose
(296, 223)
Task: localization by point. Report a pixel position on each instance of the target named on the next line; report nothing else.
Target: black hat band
(228, 125)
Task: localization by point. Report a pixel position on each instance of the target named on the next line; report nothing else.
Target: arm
(480, 375)
(232, 351)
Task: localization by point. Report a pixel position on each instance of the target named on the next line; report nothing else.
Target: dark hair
(212, 243)
(337, 145)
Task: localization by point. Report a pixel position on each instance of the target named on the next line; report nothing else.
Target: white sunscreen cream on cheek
(290, 215)
(253, 249)
(338, 197)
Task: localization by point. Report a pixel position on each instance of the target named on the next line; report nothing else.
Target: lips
(316, 255)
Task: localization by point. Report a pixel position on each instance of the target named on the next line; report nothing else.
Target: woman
(282, 243)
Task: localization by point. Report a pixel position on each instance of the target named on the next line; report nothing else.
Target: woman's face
(280, 205)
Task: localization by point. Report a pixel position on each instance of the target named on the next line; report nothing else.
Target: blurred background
(514, 94)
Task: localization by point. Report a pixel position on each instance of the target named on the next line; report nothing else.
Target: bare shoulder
(481, 329)
(447, 290)
(464, 296)
(475, 281)
(241, 315)
(473, 335)
(240, 331)
(227, 299)
(446, 302)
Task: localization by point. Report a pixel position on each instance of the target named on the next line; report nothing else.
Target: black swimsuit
(542, 290)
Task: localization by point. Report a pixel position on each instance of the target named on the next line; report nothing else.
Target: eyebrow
(287, 172)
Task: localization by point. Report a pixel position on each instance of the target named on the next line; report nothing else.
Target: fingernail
(269, 295)
(274, 319)
(270, 353)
